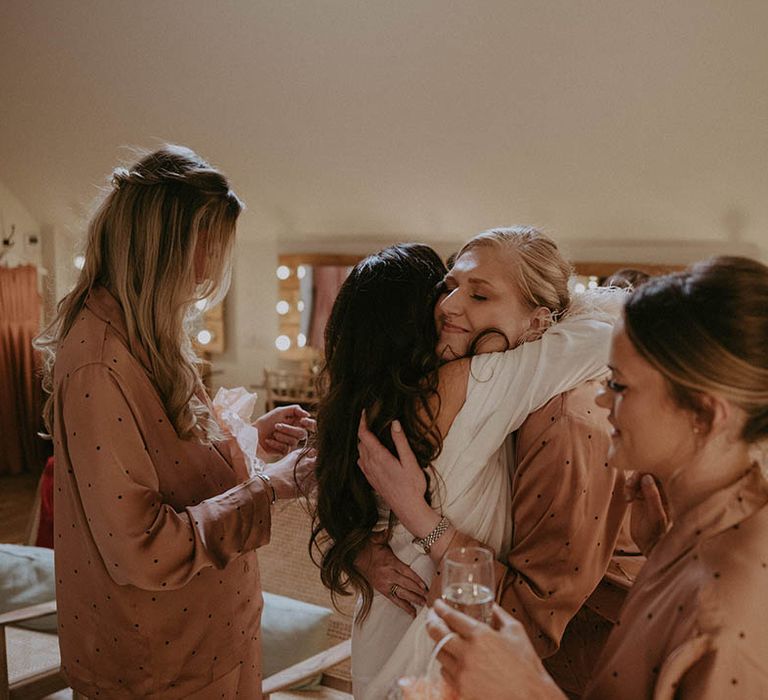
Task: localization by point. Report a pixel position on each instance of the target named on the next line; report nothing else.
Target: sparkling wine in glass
(468, 582)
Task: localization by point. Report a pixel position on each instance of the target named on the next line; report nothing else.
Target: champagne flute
(468, 582)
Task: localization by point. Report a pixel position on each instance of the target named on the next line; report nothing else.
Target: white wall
(68, 243)
(14, 214)
(52, 254)
(629, 131)
(251, 320)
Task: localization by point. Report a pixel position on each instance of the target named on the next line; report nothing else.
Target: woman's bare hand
(400, 482)
(293, 475)
(385, 572)
(282, 430)
(482, 662)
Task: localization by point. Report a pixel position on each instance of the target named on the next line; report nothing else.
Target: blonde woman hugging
(397, 347)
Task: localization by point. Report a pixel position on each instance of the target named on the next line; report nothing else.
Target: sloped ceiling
(602, 120)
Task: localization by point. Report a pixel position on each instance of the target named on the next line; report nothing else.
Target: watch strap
(426, 543)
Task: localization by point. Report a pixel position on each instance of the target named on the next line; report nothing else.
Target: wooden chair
(276, 687)
(29, 660)
(287, 569)
(30, 665)
(285, 387)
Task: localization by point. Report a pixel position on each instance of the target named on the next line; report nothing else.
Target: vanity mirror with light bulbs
(307, 287)
(309, 282)
(208, 328)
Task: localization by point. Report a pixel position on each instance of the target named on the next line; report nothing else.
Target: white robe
(472, 483)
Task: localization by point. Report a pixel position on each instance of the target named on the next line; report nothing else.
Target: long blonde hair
(141, 246)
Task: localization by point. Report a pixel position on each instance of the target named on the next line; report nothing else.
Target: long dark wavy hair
(379, 357)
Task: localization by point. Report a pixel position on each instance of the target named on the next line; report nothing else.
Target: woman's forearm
(420, 520)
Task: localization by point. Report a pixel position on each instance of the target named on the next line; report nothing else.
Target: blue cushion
(26, 578)
(291, 631)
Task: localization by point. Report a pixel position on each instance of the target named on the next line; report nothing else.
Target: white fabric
(473, 479)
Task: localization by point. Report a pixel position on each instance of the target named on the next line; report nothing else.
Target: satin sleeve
(143, 541)
(504, 388)
(714, 667)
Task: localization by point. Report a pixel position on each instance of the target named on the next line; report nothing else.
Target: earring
(696, 430)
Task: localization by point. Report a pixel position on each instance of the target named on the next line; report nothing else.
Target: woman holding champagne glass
(689, 404)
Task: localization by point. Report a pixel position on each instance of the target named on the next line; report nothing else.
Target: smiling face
(651, 433)
(481, 293)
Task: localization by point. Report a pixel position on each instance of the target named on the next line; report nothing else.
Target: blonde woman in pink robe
(688, 400)
(157, 517)
(507, 288)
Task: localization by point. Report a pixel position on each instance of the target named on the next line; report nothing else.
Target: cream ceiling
(604, 121)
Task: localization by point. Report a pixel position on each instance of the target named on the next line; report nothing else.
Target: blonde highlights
(706, 331)
(141, 246)
(540, 271)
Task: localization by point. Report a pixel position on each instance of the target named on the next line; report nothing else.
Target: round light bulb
(79, 261)
(204, 337)
(301, 340)
(579, 288)
(283, 272)
(283, 307)
(301, 271)
(282, 342)
(300, 305)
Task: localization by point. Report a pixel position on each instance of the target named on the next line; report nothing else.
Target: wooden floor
(17, 495)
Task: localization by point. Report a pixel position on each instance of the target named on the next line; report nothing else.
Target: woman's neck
(714, 468)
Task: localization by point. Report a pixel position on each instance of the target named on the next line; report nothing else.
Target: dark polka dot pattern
(695, 622)
(136, 594)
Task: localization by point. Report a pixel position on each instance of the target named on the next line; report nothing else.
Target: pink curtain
(327, 280)
(20, 389)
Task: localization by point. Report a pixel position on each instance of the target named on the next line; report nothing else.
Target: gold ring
(393, 590)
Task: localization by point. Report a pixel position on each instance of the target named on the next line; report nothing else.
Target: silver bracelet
(265, 478)
(425, 544)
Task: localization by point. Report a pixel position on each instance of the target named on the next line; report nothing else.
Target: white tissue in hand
(233, 409)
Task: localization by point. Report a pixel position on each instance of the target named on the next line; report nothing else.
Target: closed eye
(478, 297)
(615, 386)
